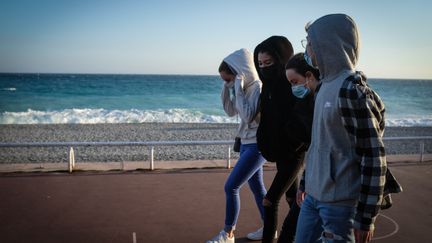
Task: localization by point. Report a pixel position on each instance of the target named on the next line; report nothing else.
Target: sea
(123, 98)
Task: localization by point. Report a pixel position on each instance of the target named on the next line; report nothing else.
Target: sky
(192, 37)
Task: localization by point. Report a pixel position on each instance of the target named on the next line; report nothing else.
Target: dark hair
(226, 68)
(299, 64)
(279, 47)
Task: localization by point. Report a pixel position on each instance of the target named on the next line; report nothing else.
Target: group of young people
(311, 110)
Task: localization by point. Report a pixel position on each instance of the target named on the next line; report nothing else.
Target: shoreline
(148, 132)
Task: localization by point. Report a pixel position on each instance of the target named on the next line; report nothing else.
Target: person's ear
(309, 76)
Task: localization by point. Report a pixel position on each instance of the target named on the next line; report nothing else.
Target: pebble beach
(148, 132)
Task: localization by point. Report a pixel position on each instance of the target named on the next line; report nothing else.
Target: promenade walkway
(183, 205)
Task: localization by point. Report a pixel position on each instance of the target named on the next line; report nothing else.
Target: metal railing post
(151, 144)
(422, 148)
(229, 158)
(71, 160)
(152, 158)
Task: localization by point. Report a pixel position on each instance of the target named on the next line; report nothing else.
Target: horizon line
(173, 74)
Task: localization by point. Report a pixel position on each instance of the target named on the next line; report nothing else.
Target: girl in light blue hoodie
(240, 94)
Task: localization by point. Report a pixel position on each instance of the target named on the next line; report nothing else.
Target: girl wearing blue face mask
(304, 84)
(304, 80)
(303, 77)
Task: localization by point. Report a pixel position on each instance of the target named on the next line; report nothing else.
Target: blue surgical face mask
(308, 59)
(300, 91)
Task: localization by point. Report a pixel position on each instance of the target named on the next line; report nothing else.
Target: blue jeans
(324, 222)
(248, 169)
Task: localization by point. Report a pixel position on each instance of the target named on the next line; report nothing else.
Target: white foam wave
(85, 116)
(9, 89)
(409, 122)
(92, 116)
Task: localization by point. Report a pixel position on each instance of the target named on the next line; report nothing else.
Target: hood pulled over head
(242, 63)
(335, 41)
(279, 47)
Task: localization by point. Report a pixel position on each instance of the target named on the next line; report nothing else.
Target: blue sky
(192, 37)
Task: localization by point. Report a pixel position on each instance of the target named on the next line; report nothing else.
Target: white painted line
(392, 233)
(134, 237)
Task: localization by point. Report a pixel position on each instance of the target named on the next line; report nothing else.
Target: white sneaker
(222, 237)
(258, 235)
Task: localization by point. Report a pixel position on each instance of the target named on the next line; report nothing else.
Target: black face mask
(270, 73)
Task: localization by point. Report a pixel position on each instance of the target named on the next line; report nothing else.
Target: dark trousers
(284, 182)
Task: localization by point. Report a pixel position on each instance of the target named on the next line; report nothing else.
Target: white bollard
(71, 160)
(229, 158)
(134, 237)
(152, 158)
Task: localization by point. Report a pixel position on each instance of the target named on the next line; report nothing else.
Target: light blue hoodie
(247, 89)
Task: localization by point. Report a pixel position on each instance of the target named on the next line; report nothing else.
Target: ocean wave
(409, 122)
(9, 89)
(92, 116)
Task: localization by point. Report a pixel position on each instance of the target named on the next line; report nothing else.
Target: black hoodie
(276, 101)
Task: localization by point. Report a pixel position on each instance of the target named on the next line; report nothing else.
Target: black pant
(285, 181)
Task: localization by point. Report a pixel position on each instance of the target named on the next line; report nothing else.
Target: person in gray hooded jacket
(240, 94)
(345, 166)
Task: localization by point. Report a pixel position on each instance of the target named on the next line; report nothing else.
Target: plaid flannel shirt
(362, 114)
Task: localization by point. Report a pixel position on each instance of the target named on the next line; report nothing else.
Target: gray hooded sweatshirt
(346, 152)
(243, 100)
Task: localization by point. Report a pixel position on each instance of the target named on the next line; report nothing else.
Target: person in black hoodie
(273, 135)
